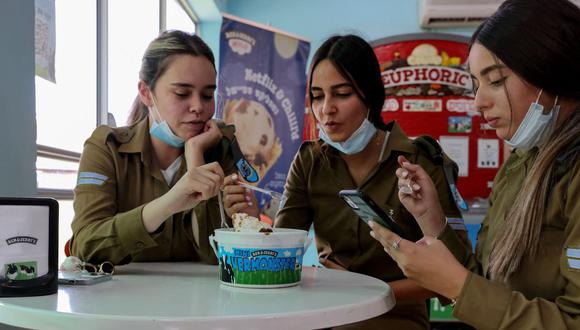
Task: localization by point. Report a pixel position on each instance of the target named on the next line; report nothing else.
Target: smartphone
(368, 210)
(69, 278)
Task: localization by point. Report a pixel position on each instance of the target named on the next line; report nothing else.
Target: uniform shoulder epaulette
(103, 133)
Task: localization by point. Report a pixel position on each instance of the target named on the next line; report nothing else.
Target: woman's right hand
(197, 184)
(239, 199)
(422, 201)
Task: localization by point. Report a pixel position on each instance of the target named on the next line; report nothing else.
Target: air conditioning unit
(458, 13)
(455, 13)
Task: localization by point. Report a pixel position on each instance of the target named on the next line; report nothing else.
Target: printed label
(260, 266)
(25, 270)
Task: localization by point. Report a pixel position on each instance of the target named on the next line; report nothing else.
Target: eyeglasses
(75, 264)
(105, 267)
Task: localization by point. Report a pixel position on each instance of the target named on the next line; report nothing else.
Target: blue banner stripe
(574, 263)
(90, 181)
(455, 220)
(574, 253)
(93, 175)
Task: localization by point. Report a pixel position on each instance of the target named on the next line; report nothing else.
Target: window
(132, 25)
(177, 18)
(70, 104)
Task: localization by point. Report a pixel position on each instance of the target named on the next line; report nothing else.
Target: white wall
(17, 103)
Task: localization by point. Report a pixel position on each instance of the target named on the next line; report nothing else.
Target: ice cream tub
(260, 259)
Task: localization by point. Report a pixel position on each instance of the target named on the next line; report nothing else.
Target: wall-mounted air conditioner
(457, 13)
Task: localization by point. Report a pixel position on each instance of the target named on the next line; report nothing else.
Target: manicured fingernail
(372, 234)
(234, 177)
(404, 174)
(416, 186)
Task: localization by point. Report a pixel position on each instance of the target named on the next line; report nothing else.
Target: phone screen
(368, 210)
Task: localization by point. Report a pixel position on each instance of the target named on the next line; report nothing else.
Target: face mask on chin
(535, 127)
(357, 141)
(161, 130)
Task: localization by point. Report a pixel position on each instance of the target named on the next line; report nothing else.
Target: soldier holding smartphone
(356, 150)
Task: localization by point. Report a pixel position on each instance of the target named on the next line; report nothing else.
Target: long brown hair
(157, 58)
(520, 238)
(546, 57)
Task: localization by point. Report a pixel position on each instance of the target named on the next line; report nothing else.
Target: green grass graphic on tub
(267, 277)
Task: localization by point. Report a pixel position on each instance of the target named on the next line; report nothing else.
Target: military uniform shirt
(117, 177)
(318, 173)
(545, 292)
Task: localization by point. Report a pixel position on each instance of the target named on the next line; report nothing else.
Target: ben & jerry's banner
(261, 90)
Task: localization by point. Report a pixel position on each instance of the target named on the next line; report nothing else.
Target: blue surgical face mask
(356, 142)
(535, 127)
(161, 130)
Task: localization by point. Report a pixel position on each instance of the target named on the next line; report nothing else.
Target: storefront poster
(261, 90)
(429, 91)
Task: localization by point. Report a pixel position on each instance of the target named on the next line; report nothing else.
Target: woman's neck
(567, 107)
(361, 164)
(163, 154)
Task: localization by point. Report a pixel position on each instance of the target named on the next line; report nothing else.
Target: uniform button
(139, 244)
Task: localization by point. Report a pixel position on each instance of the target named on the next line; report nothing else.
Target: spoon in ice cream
(274, 194)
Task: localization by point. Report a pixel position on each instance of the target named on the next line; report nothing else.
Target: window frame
(102, 113)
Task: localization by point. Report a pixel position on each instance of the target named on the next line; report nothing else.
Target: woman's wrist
(454, 290)
(433, 224)
(155, 213)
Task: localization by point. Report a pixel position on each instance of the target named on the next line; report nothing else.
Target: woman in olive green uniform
(357, 150)
(146, 192)
(526, 271)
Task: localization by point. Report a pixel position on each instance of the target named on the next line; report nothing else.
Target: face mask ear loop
(155, 110)
(539, 95)
(555, 102)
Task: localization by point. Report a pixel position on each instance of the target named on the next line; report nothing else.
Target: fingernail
(234, 177)
(404, 174)
(371, 224)
(416, 186)
(372, 233)
(250, 203)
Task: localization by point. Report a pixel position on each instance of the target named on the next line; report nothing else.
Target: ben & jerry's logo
(240, 42)
(21, 239)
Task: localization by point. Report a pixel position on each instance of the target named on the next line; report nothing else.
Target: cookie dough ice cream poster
(261, 90)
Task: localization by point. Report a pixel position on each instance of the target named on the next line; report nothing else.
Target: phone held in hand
(82, 278)
(368, 210)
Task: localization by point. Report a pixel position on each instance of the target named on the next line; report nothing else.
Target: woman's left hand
(428, 261)
(197, 145)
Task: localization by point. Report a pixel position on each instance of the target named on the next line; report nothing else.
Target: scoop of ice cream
(246, 223)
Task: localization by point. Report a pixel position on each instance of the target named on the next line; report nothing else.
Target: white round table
(189, 295)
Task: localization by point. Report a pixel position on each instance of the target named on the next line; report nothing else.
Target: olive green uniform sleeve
(296, 211)
(101, 232)
(117, 178)
(487, 305)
